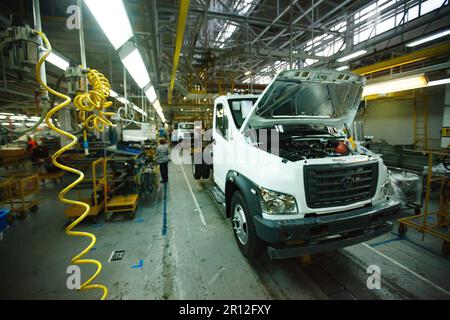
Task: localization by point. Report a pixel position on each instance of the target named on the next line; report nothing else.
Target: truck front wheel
(243, 228)
(197, 170)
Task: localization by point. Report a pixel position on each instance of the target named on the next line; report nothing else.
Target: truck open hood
(308, 97)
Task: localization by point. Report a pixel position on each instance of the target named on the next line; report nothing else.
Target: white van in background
(185, 130)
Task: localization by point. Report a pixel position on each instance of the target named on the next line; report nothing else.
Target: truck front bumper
(293, 238)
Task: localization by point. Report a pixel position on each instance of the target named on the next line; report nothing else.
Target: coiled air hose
(94, 102)
(87, 285)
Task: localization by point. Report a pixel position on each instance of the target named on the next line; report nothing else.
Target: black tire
(131, 215)
(402, 228)
(445, 248)
(197, 170)
(253, 246)
(205, 171)
(34, 208)
(21, 215)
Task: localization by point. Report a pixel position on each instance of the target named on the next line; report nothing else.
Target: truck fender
(238, 182)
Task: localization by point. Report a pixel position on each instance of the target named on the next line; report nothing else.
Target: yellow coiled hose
(78, 258)
(94, 102)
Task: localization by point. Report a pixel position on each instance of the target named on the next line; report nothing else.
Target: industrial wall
(393, 121)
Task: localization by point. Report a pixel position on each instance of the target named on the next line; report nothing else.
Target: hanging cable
(87, 285)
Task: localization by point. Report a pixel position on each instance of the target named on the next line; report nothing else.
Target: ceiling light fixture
(113, 19)
(133, 62)
(57, 61)
(438, 82)
(123, 100)
(151, 94)
(396, 85)
(429, 38)
(342, 68)
(352, 55)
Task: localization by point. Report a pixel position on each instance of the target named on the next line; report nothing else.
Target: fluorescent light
(136, 108)
(342, 68)
(407, 83)
(113, 94)
(246, 73)
(2, 117)
(429, 38)
(352, 55)
(113, 19)
(136, 67)
(158, 109)
(151, 94)
(157, 105)
(7, 114)
(438, 82)
(58, 61)
(123, 100)
(18, 117)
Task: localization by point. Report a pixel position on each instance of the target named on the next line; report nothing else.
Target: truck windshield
(292, 98)
(240, 108)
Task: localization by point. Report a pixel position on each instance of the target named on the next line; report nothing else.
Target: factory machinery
(118, 176)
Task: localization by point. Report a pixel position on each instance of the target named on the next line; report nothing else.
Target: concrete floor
(197, 260)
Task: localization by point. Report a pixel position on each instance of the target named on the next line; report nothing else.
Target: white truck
(185, 130)
(307, 187)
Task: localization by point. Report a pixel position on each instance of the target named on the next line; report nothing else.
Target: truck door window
(240, 108)
(221, 120)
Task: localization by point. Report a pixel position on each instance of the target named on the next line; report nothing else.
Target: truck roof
(239, 96)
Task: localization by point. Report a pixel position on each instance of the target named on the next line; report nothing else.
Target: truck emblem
(348, 182)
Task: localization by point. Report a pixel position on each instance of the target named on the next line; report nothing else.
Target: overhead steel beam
(406, 59)
(181, 26)
(238, 18)
(296, 20)
(275, 20)
(318, 21)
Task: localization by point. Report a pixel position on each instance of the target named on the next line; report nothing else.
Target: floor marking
(200, 213)
(216, 276)
(139, 220)
(376, 244)
(164, 227)
(138, 266)
(406, 269)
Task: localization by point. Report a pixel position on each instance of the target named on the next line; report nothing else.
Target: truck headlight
(386, 188)
(277, 203)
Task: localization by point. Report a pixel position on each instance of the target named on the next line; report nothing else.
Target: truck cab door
(220, 145)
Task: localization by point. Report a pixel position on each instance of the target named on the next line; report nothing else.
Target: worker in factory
(31, 144)
(163, 158)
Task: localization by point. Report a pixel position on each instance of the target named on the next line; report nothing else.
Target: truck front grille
(333, 185)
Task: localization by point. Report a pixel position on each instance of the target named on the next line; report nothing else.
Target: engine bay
(302, 142)
(296, 149)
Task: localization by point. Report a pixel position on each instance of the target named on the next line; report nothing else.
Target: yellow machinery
(98, 185)
(12, 156)
(118, 203)
(440, 229)
(19, 192)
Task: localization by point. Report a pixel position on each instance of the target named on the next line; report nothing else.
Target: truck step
(217, 194)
